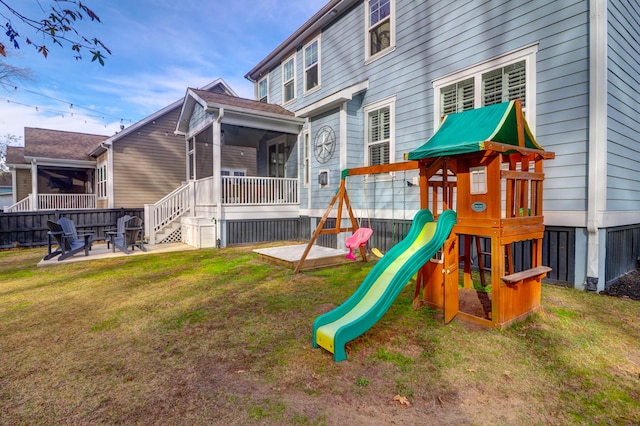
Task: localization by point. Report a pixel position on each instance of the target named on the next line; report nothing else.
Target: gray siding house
(373, 79)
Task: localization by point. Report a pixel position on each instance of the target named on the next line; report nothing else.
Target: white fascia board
(333, 101)
(266, 121)
(57, 162)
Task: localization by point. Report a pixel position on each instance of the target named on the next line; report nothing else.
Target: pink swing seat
(358, 239)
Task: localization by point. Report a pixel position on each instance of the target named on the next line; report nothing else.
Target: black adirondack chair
(131, 237)
(67, 238)
(118, 231)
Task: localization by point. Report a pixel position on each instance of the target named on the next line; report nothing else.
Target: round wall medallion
(324, 144)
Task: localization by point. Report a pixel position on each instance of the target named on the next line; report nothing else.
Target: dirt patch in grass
(218, 337)
(627, 286)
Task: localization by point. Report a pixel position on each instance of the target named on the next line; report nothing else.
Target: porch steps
(170, 234)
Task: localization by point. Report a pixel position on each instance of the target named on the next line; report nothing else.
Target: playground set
(480, 178)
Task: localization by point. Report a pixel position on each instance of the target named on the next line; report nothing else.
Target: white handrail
(23, 205)
(246, 190)
(66, 201)
(161, 214)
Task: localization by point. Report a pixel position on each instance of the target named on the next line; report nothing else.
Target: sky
(159, 48)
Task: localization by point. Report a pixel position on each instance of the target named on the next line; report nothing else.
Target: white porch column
(34, 185)
(217, 167)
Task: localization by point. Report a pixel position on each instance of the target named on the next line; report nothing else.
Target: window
(379, 130)
(499, 80)
(263, 90)
(312, 65)
(478, 180)
(457, 97)
(380, 25)
(101, 180)
(191, 159)
(233, 172)
(306, 173)
(289, 80)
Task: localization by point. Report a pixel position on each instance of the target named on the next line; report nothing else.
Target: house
(372, 79)
(143, 162)
(242, 169)
(6, 191)
(53, 170)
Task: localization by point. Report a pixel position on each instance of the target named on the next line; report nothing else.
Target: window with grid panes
(379, 25)
(312, 65)
(263, 90)
(288, 80)
(101, 180)
(379, 136)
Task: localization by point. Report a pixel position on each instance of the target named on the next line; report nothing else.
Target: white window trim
(266, 77)
(386, 102)
(232, 172)
(319, 65)
(291, 58)
(102, 184)
(368, 58)
(527, 53)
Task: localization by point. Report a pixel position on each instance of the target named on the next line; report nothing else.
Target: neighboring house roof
(59, 145)
(15, 155)
(321, 19)
(100, 148)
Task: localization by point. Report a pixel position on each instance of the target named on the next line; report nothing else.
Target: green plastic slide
(381, 287)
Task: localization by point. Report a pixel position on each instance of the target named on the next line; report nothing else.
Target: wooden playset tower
(486, 165)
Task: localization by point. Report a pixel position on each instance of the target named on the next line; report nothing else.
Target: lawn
(219, 337)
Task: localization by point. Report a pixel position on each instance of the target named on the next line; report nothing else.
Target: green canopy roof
(468, 131)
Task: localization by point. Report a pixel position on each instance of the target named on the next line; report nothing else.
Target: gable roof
(215, 99)
(218, 84)
(493, 127)
(234, 105)
(60, 145)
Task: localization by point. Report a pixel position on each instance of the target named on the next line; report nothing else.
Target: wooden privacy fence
(29, 229)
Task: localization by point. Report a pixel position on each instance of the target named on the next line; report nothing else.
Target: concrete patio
(99, 251)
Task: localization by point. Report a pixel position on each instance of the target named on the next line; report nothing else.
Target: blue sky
(160, 47)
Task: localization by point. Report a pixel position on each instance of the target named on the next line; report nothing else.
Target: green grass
(219, 337)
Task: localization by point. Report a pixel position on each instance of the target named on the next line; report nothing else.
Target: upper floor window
(380, 132)
(502, 79)
(380, 25)
(312, 65)
(263, 90)
(289, 80)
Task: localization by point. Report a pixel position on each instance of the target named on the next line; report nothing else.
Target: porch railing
(245, 190)
(159, 215)
(55, 202)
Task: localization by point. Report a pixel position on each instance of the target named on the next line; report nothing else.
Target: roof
(325, 16)
(474, 130)
(15, 155)
(217, 84)
(57, 144)
(215, 99)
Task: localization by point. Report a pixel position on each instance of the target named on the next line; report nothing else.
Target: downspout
(597, 188)
(217, 181)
